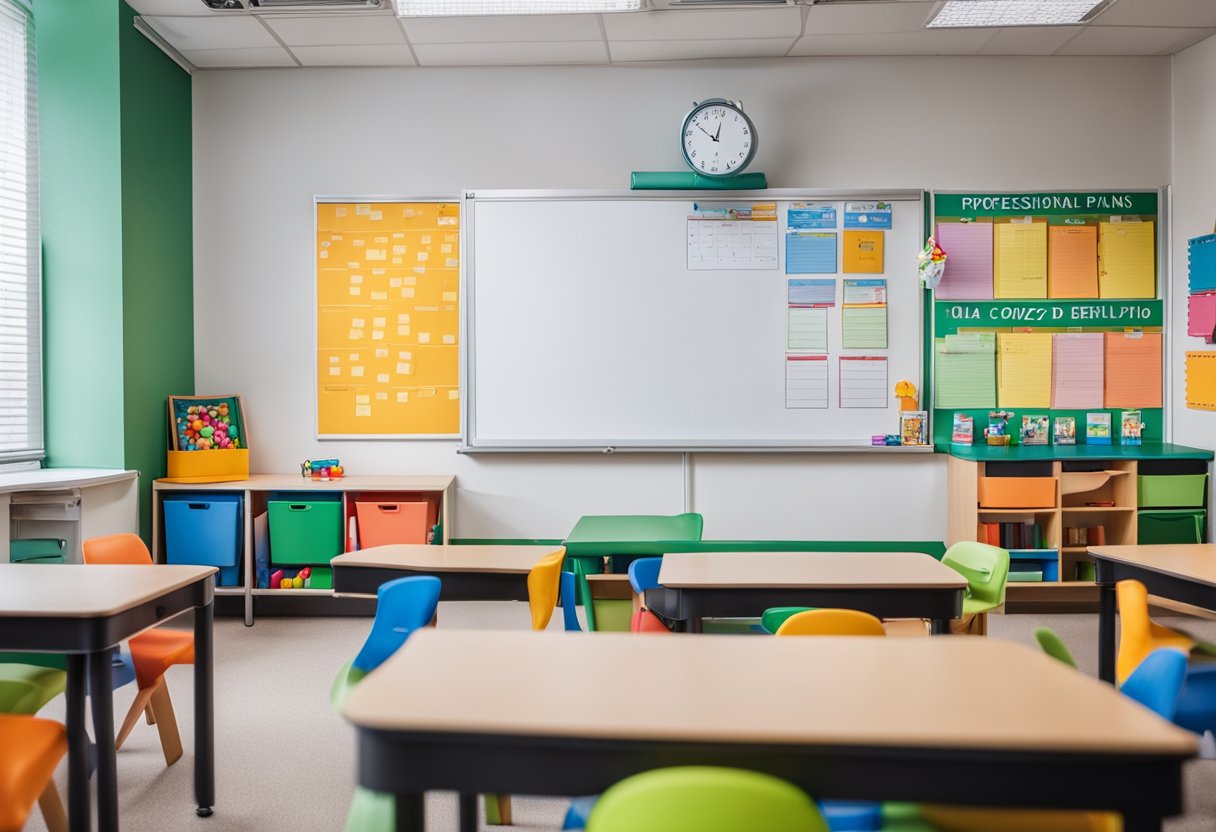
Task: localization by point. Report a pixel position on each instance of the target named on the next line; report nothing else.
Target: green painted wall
(79, 136)
(157, 252)
(117, 232)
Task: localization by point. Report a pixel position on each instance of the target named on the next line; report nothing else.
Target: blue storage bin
(205, 530)
(1044, 561)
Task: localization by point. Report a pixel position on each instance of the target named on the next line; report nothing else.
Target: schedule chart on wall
(388, 322)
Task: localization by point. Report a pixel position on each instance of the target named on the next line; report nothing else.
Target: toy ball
(197, 424)
(297, 582)
(232, 431)
(192, 409)
(336, 471)
(306, 572)
(286, 583)
(236, 443)
(190, 447)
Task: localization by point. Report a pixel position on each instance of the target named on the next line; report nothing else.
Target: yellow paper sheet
(1127, 260)
(1133, 369)
(1019, 260)
(862, 252)
(1072, 261)
(1201, 380)
(1024, 369)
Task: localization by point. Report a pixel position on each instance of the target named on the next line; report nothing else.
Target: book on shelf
(1013, 534)
(1085, 536)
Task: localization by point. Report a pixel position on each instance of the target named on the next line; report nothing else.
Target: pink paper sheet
(968, 247)
(1077, 367)
(1201, 316)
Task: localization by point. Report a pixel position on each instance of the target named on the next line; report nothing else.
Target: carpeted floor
(286, 761)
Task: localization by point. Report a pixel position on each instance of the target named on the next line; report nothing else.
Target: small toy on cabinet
(322, 470)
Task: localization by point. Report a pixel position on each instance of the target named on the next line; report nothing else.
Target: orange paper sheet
(1201, 380)
(863, 252)
(1133, 369)
(1072, 261)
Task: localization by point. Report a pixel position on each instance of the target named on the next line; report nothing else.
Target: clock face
(717, 138)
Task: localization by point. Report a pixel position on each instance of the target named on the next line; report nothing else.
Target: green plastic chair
(1053, 645)
(25, 688)
(986, 569)
(704, 799)
(774, 617)
(370, 811)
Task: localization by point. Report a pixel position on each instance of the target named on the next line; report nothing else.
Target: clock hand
(719, 133)
(706, 132)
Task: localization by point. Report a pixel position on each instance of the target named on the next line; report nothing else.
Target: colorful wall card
(1201, 263)
(863, 316)
(806, 381)
(1024, 369)
(804, 215)
(388, 323)
(1127, 260)
(867, 215)
(724, 236)
(968, 247)
(807, 329)
(1077, 370)
(810, 252)
(1201, 380)
(863, 381)
(965, 375)
(1201, 316)
(1072, 261)
(863, 252)
(1019, 267)
(814, 291)
(1133, 369)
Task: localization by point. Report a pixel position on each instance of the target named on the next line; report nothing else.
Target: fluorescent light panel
(985, 13)
(457, 8)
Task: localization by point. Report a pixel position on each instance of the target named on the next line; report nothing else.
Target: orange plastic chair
(33, 748)
(826, 622)
(1138, 635)
(967, 819)
(152, 652)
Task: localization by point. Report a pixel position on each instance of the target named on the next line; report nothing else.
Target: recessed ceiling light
(985, 13)
(456, 8)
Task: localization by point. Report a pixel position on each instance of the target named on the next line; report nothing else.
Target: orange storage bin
(382, 523)
(1017, 492)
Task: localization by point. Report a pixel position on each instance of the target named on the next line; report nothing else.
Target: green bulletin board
(1042, 315)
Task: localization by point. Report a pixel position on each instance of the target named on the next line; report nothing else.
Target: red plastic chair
(152, 652)
(33, 748)
(645, 621)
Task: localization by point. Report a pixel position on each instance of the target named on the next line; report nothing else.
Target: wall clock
(717, 138)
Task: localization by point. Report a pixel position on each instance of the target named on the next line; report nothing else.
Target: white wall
(266, 141)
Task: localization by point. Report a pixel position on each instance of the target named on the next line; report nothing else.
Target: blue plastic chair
(569, 604)
(1156, 683)
(1197, 704)
(644, 574)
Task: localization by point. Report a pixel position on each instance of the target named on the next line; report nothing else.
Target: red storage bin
(382, 523)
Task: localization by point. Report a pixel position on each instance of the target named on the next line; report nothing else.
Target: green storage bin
(304, 532)
(1171, 526)
(1177, 491)
(36, 550)
(322, 578)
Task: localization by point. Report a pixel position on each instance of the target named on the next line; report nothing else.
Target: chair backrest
(1138, 635)
(644, 574)
(402, 606)
(703, 799)
(645, 621)
(774, 617)
(985, 567)
(1157, 682)
(544, 584)
(831, 623)
(1054, 646)
(569, 604)
(125, 548)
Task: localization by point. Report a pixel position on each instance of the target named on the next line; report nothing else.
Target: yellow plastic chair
(544, 588)
(965, 819)
(1138, 635)
(831, 623)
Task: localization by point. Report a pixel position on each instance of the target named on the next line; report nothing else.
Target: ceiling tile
(956, 42)
(1182, 13)
(511, 54)
(1032, 40)
(676, 50)
(702, 24)
(235, 32)
(520, 29)
(866, 18)
(170, 7)
(1131, 40)
(205, 58)
(364, 55)
(335, 30)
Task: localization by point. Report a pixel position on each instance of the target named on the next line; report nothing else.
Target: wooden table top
(1192, 561)
(836, 570)
(823, 691)
(29, 590)
(423, 557)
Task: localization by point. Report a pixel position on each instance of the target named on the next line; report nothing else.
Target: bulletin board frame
(1127, 201)
(324, 199)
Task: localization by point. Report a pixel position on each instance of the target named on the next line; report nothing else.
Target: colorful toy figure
(321, 469)
(931, 264)
(905, 391)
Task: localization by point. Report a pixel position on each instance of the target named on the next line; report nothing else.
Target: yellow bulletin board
(388, 318)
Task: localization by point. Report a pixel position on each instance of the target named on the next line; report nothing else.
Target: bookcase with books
(1046, 505)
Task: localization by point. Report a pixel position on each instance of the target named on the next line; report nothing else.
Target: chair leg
(137, 708)
(52, 809)
(504, 809)
(150, 715)
(166, 723)
(498, 809)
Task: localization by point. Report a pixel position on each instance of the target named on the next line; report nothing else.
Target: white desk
(68, 503)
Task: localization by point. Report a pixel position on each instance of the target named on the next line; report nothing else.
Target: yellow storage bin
(208, 466)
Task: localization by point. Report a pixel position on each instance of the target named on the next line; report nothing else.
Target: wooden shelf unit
(254, 494)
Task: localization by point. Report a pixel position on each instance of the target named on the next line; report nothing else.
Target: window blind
(21, 432)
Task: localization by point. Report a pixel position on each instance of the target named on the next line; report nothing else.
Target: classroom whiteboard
(586, 328)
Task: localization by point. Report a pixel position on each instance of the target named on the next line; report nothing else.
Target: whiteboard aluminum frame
(323, 199)
(468, 266)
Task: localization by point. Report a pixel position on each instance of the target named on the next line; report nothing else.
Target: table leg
(204, 709)
(411, 814)
(101, 692)
(690, 609)
(1141, 823)
(466, 811)
(79, 805)
(1106, 632)
(939, 627)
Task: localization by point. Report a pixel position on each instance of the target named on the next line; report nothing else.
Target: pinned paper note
(863, 252)
(1201, 380)
(806, 382)
(1127, 260)
(863, 381)
(1078, 370)
(807, 329)
(1024, 369)
(1072, 261)
(1133, 369)
(810, 252)
(964, 373)
(1019, 260)
(968, 274)
(1201, 316)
